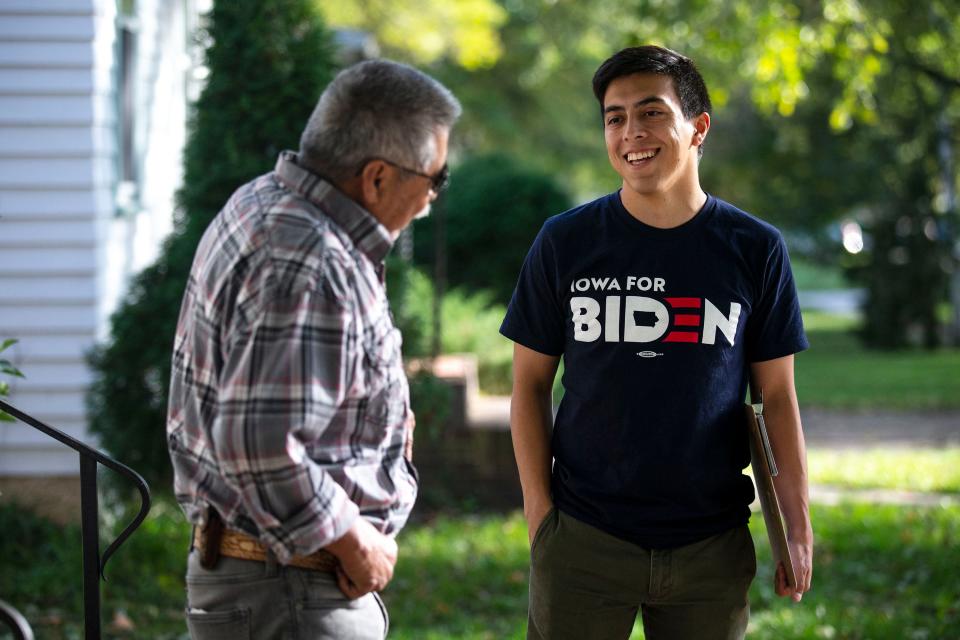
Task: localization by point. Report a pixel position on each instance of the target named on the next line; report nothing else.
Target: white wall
(65, 253)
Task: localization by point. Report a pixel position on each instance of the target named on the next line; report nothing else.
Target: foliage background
(826, 110)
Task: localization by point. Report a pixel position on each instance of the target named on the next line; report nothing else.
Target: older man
(290, 428)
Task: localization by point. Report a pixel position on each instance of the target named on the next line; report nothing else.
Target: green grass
(931, 470)
(837, 372)
(41, 574)
(880, 572)
(810, 276)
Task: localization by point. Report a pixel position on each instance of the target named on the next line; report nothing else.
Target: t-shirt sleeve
(535, 314)
(775, 326)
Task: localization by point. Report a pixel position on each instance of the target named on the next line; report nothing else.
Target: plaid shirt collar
(366, 232)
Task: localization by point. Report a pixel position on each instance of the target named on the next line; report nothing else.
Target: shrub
(268, 63)
(470, 323)
(493, 210)
(411, 301)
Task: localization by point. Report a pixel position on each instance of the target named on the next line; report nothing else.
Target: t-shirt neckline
(671, 232)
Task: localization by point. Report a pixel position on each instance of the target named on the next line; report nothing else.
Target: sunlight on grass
(909, 469)
(822, 321)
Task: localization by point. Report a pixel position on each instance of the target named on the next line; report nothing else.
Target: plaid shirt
(289, 408)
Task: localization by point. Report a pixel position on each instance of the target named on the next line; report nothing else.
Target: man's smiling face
(649, 142)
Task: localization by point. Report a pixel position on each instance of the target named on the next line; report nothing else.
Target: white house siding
(66, 253)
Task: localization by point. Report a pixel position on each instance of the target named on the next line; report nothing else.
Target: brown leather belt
(234, 544)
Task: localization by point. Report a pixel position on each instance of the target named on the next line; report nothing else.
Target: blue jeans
(250, 600)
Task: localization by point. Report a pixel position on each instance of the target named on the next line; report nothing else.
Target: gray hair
(377, 108)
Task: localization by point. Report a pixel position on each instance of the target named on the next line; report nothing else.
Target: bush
(470, 323)
(268, 63)
(493, 210)
(42, 572)
(411, 296)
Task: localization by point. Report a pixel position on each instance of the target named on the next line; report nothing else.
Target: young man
(290, 429)
(663, 301)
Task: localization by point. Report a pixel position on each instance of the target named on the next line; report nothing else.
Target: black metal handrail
(93, 562)
(15, 622)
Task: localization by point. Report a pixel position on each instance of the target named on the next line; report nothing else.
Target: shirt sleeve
(285, 374)
(775, 326)
(535, 314)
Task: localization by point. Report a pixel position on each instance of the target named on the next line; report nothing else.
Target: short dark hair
(687, 81)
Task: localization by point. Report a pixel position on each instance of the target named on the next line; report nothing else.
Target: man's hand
(802, 554)
(367, 558)
(535, 516)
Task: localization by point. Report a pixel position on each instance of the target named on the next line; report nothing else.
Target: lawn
(881, 571)
(933, 470)
(837, 372)
(810, 276)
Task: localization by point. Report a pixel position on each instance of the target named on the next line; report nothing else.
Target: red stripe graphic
(685, 320)
(684, 303)
(682, 336)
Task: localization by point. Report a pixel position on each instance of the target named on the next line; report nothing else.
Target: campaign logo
(643, 319)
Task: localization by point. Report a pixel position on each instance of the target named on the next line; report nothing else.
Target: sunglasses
(438, 181)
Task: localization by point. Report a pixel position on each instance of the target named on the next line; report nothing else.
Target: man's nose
(634, 129)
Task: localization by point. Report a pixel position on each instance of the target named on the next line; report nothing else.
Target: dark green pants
(588, 585)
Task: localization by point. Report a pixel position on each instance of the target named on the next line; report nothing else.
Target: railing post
(90, 536)
(93, 562)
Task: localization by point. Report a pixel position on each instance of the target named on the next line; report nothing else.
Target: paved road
(846, 429)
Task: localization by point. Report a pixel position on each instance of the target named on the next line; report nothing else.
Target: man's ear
(372, 180)
(701, 126)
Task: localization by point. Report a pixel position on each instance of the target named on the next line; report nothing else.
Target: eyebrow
(639, 103)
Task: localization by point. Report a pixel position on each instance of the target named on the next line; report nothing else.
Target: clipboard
(764, 470)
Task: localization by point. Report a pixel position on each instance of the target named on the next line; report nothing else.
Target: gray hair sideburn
(376, 108)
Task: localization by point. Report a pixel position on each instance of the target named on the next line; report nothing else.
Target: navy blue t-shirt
(657, 328)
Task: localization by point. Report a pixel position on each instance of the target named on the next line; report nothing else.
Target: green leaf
(7, 367)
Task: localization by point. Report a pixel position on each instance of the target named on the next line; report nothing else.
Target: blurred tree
(422, 31)
(899, 101)
(804, 92)
(493, 210)
(268, 63)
